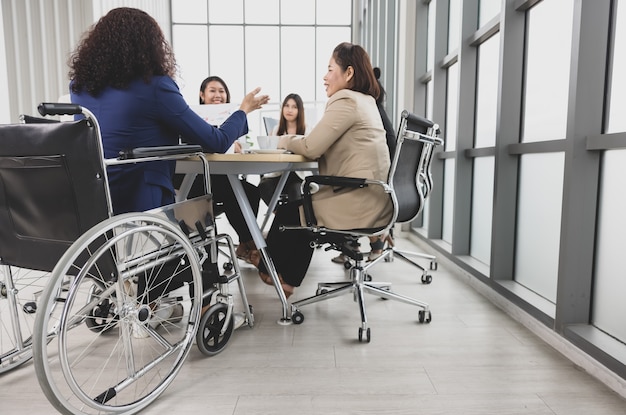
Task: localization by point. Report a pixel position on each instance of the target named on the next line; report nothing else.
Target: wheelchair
(108, 305)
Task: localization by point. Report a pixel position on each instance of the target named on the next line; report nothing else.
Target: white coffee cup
(268, 142)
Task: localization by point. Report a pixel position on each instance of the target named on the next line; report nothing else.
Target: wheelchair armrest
(159, 151)
(59, 108)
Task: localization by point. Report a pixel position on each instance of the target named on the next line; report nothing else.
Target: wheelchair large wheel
(19, 291)
(127, 321)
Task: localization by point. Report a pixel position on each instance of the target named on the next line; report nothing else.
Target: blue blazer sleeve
(175, 112)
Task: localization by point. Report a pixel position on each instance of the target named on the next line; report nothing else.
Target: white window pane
(488, 10)
(487, 92)
(429, 100)
(430, 55)
(448, 199)
(338, 12)
(547, 70)
(227, 61)
(225, 11)
(609, 291)
(297, 11)
(539, 222)
(454, 25)
(192, 60)
(189, 11)
(452, 102)
(298, 63)
(262, 60)
(261, 11)
(617, 121)
(327, 38)
(482, 209)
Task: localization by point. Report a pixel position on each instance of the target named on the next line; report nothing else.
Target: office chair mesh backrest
(410, 161)
(52, 190)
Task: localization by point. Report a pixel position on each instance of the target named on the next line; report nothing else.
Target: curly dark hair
(124, 45)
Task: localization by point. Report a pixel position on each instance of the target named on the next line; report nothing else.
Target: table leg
(257, 237)
(274, 200)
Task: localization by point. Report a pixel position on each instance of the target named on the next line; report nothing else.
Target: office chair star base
(357, 286)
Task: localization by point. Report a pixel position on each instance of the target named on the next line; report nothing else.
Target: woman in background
(291, 122)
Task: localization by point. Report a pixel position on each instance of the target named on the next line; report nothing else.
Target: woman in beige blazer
(349, 141)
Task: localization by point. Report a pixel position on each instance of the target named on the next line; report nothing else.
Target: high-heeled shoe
(378, 246)
(244, 250)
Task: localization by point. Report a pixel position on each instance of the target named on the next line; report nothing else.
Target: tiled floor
(471, 359)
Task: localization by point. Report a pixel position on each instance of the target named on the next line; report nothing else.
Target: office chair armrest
(336, 181)
(340, 182)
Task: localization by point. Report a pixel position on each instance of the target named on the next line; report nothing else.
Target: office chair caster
(212, 336)
(367, 332)
(424, 316)
(297, 317)
(427, 278)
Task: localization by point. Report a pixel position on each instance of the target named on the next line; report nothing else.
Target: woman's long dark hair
(347, 54)
(124, 45)
(300, 123)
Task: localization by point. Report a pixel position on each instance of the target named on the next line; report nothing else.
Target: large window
(450, 136)
(545, 118)
(609, 282)
(617, 121)
(282, 46)
(485, 136)
(547, 70)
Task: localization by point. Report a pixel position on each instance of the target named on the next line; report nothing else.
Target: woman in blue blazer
(123, 72)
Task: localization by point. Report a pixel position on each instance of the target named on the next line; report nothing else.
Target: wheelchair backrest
(52, 190)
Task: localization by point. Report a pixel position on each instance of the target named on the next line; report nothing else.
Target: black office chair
(408, 183)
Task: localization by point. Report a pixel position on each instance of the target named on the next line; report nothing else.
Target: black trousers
(291, 191)
(290, 250)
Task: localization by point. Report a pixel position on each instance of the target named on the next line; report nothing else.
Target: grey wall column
(439, 79)
(421, 52)
(582, 167)
(508, 126)
(465, 132)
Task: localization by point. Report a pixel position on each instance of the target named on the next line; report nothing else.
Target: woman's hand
(237, 148)
(252, 101)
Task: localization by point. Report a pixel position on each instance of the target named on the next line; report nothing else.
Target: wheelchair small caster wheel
(209, 338)
(297, 317)
(433, 265)
(228, 266)
(367, 277)
(368, 336)
(424, 316)
(321, 291)
(427, 279)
